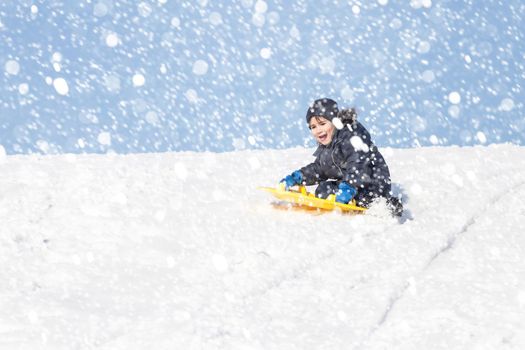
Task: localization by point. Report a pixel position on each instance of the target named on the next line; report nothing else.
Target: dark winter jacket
(351, 157)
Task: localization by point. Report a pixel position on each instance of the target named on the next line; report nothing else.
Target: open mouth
(322, 137)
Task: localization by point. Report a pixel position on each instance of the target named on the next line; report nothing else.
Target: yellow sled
(307, 200)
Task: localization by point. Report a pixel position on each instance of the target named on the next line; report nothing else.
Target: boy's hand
(346, 193)
(295, 178)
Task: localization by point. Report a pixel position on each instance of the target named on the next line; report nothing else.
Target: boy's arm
(311, 173)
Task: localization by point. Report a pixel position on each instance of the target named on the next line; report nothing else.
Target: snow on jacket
(351, 157)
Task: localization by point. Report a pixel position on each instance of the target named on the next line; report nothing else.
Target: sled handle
(332, 197)
(302, 189)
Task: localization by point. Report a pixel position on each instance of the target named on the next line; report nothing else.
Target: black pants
(326, 188)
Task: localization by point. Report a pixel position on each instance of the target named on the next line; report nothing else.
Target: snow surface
(180, 251)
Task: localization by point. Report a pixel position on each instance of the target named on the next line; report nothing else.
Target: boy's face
(322, 130)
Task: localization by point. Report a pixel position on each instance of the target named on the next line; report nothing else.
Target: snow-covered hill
(180, 251)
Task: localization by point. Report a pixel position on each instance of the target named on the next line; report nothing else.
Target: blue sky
(154, 76)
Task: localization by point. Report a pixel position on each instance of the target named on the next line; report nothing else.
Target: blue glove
(346, 193)
(295, 178)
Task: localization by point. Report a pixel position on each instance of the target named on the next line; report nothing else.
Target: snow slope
(180, 251)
